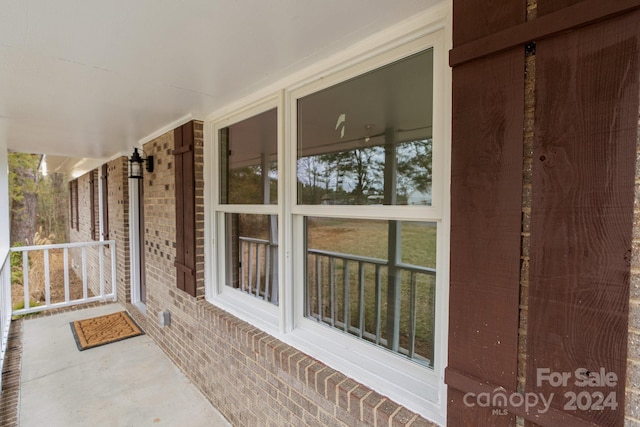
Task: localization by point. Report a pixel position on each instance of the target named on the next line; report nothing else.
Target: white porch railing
(259, 268)
(99, 287)
(337, 296)
(5, 309)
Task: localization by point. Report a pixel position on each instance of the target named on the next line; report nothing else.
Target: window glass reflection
(248, 161)
(369, 140)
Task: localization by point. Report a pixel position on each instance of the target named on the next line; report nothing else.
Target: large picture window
(329, 217)
(368, 141)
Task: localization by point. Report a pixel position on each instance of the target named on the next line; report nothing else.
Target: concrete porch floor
(126, 383)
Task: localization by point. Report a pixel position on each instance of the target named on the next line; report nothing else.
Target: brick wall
(118, 211)
(83, 234)
(632, 398)
(250, 376)
(86, 213)
(159, 219)
(529, 117)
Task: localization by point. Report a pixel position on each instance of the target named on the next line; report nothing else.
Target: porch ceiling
(90, 79)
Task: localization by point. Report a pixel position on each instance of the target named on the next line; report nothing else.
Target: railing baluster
(258, 270)
(308, 290)
(332, 281)
(65, 261)
(274, 277)
(347, 296)
(243, 266)
(250, 277)
(47, 282)
(25, 278)
(361, 298)
(378, 304)
(319, 287)
(114, 284)
(85, 284)
(101, 261)
(267, 272)
(412, 316)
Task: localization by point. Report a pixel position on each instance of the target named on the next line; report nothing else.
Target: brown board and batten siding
(185, 261)
(586, 126)
(486, 194)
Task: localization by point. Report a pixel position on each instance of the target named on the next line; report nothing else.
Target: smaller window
(248, 179)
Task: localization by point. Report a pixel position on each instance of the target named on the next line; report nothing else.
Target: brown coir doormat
(97, 331)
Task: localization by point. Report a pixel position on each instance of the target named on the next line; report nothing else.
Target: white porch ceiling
(89, 79)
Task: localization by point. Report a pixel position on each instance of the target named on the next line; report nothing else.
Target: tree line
(37, 203)
(357, 176)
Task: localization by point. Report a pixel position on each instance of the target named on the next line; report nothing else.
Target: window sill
(258, 313)
(408, 383)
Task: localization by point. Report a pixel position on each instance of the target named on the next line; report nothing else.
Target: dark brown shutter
(584, 166)
(76, 203)
(71, 214)
(486, 203)
(93, 202)
(105, 202)
(73, 204)
(185, 261)
(581, 112)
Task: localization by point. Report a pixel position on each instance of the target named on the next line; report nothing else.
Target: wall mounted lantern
(135, 164)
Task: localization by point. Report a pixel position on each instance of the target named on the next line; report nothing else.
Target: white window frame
(403, 380)
(261, 313)
(415, 386)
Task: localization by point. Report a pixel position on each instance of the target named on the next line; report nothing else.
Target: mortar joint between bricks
(360, 402)
(390, 422)
(382, 401)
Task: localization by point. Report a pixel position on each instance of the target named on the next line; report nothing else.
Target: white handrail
(63, 245)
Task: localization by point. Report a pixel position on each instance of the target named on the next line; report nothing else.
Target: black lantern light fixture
(135, 164)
